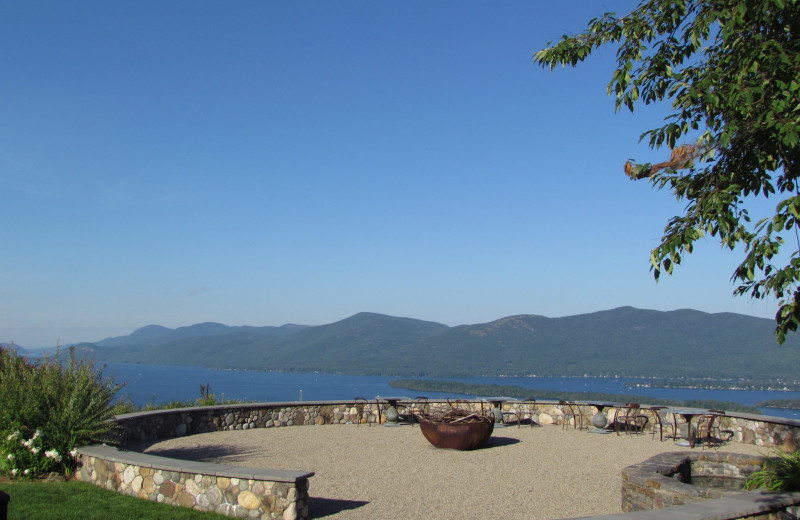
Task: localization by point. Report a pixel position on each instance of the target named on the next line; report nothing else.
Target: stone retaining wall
(265, 494)
(760, 430)
(746, 505)
(166, 424)
(255, 493)
(666, 479)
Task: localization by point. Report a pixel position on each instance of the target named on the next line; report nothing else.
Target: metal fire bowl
(456, 436)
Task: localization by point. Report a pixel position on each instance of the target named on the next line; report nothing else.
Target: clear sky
(264, 162)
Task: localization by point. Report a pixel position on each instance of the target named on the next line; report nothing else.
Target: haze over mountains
(624, 341)
(19, 349)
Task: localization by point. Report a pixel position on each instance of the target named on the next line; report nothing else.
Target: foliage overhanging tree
(731, 71)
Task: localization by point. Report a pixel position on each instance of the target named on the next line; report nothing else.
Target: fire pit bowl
(464, 433)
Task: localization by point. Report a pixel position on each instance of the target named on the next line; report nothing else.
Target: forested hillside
(625, 341)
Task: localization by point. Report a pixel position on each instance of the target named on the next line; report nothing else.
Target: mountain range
(625, 341)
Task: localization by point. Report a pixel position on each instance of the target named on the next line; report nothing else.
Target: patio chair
(617, 421)
(705, 430)
(630, 419)
(513, 414)
(464, 405)
(418, 406)
(572, 412)
(637, 420)
(709, 429)
(727, 434)
(527, 408)
(663, 424)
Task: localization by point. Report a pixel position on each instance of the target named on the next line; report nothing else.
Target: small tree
(731, 71)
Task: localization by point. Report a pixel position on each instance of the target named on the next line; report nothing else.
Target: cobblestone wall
(745, 428)
(665, 480)
(207, 487)
(166, 424)
(243, 493)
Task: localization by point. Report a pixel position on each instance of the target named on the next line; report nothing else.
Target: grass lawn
(74, 500)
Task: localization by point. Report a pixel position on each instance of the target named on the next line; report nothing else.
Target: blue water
(160, 384)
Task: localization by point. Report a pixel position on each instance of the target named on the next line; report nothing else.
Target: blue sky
(264, 163)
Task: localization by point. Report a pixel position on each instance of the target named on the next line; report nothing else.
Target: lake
(161, 384)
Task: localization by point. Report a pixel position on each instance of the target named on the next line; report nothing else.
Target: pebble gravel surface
(379, 472)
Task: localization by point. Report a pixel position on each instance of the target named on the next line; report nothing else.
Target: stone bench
(237, 491)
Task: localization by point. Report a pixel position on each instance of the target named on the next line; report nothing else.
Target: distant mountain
(349, 345)
(139, 336)
(625, 341)
(153, 335)
(19, 349)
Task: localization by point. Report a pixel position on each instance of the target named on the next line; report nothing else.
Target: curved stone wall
(272, 494)
(760, 430)
(229, 490)
(166, 424)
(666, 479)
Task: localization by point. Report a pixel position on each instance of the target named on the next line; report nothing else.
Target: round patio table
(391, 412)
(497, 410)
(688, 414)
(600, 419)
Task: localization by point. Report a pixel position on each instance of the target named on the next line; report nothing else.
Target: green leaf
(738, 88)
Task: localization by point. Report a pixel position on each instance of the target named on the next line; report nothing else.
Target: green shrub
(126, 405)
(54, 406)
(28, 457)
(778, 473)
